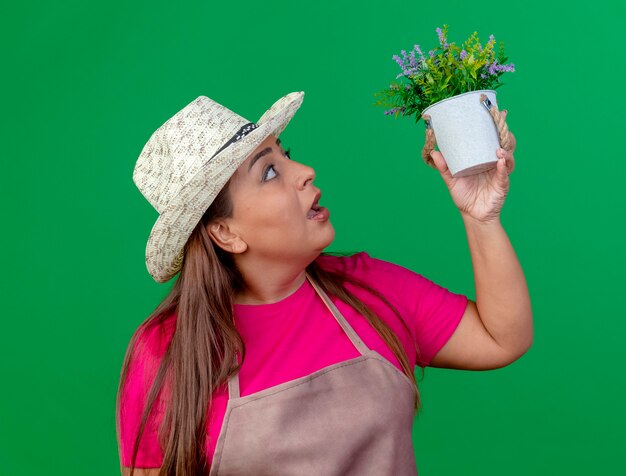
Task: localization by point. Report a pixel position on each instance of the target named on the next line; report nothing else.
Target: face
(272, 197)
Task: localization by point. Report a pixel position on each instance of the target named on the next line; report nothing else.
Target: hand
(482, 195)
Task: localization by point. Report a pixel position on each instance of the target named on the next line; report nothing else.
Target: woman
(269, 356)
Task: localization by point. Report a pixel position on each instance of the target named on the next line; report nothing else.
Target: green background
(84, 84)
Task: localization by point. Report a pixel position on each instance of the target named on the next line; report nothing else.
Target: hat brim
(165, 247)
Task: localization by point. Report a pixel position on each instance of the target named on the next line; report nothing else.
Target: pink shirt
(284, 343)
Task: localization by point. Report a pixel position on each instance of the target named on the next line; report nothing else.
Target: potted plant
(453, 90)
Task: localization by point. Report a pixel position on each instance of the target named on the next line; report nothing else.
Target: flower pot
(465, 132)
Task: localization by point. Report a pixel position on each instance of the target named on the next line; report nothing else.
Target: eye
(288, 153)
(265, 173)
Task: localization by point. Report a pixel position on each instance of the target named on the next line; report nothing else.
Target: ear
(225, 238)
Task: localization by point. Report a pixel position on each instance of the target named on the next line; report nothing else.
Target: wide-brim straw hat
(188, 160)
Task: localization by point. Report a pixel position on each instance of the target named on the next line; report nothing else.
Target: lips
(315, 207)
(318, 195)
(313, 211)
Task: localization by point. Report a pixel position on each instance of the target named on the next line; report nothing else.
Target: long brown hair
(202, 352)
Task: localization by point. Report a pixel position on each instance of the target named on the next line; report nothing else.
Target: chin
(331, 236)
(323, 244)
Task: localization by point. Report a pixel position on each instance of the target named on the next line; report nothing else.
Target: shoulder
(150, 342)
(367, 267)
(155, 335)
(348, 262)
(397, 283)
(404, 287)
(145, 354)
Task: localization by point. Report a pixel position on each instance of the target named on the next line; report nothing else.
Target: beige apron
(351, 418)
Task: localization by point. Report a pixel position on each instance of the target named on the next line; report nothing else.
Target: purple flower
(406, 72)
(442, 39)
(495, 67)
(492, 38)
(463, 54)
(394, 110)
(505, 67)
(431, 53)
(409, 64)
(412, 61)
(399, 61)
(483, 75)
(407, 87)
(419, 52)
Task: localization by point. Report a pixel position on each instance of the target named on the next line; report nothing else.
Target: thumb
(502, 173)
(440, 162)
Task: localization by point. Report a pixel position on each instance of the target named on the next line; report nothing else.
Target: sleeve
(142, 370)
(431, 311)
(437, 314)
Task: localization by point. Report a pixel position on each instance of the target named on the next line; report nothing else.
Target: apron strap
(354, 337)
(233, 386)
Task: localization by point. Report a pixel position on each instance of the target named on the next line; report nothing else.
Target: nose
(304, 176)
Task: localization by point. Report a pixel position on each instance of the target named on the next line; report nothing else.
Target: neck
(266, 284)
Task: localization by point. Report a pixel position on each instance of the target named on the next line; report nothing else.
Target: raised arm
(497, 328)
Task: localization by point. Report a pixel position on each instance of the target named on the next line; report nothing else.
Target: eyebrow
(265, 151)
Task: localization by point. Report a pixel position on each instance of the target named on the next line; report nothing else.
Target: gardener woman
(269, 356)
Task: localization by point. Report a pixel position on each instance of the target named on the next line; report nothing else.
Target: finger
(503, 166)
(442, 167)
(508, 157)
(510, 162)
